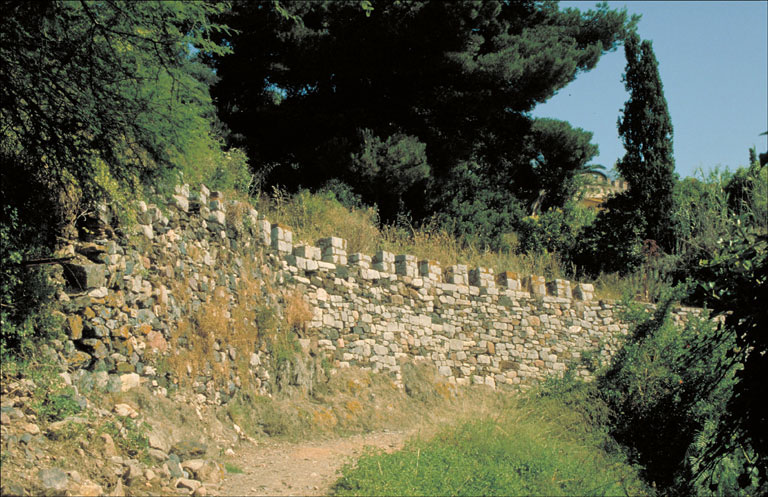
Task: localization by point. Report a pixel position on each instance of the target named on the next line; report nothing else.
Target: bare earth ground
(305, 468)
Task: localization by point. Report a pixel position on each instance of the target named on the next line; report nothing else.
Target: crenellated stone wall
(126, 297)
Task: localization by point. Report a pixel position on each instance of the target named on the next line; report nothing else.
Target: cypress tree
(646, 131)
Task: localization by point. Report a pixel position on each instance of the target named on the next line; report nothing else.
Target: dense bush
(556, 230)
(668, 390)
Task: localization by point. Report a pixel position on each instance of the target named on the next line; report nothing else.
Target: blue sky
(713, 62)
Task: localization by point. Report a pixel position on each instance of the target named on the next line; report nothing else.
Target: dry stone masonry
(125, 299)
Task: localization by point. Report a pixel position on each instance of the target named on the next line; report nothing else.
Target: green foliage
(646, 131)
(666, 388)
(429, 86)
(26, 293)
(104, 94)
(734, 282)
(614, 243)
(541, 445)
(556, 230)
(52, 400)
(560, 151)
(206, 161)
(386, 169)
(476, 212)
(130, 436)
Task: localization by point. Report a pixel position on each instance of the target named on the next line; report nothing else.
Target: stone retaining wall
(126, 298)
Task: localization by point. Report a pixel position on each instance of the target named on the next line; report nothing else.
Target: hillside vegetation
(403, 126)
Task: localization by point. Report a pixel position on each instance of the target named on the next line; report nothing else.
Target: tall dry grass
(314, 216)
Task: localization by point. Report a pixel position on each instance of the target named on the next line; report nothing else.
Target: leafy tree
(95, 93)
(386, 169)
(560, 153)
(664, 385)
(458, 77)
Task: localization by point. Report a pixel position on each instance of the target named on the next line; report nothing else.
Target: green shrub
(130, 436)
(664, 387)
(231, 468)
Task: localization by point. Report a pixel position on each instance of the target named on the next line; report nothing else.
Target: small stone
(98, 293)
(75, 326)
(89, 489)
(109, 445)
(5, 418)
(118, 491)
(85, 276)
(158, 442)
(156, 341)
(125, 410)
(174, 468)
(193, 465)
(188, 484)
(158, 455)
(210, 472)
(31, 428)
(129, 381)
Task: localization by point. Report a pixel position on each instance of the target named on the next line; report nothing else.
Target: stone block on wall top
(384, 261)
(405, 265)
(584, 291)
(361, 260)
(457, 274)
(307, 252)
(536, 285)
(282, 238)
(264, 231)
(481, 277)
(431, 270)
(560, 288)
(333, 242)
(510, 280)
(216, 219)
(333, 249)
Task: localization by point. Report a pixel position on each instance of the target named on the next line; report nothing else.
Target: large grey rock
(189, 448)
(85, 276)
(53, 480)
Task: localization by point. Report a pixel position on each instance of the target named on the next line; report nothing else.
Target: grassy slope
(537, 445)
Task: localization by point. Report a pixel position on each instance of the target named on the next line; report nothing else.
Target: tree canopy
(307, 98)
(98, 92)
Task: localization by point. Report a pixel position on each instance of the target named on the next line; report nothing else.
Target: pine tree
(646, 131)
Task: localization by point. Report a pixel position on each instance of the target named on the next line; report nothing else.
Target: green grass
(231, 468)
(542, 444)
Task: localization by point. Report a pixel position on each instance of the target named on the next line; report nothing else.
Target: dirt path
(306, 468)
